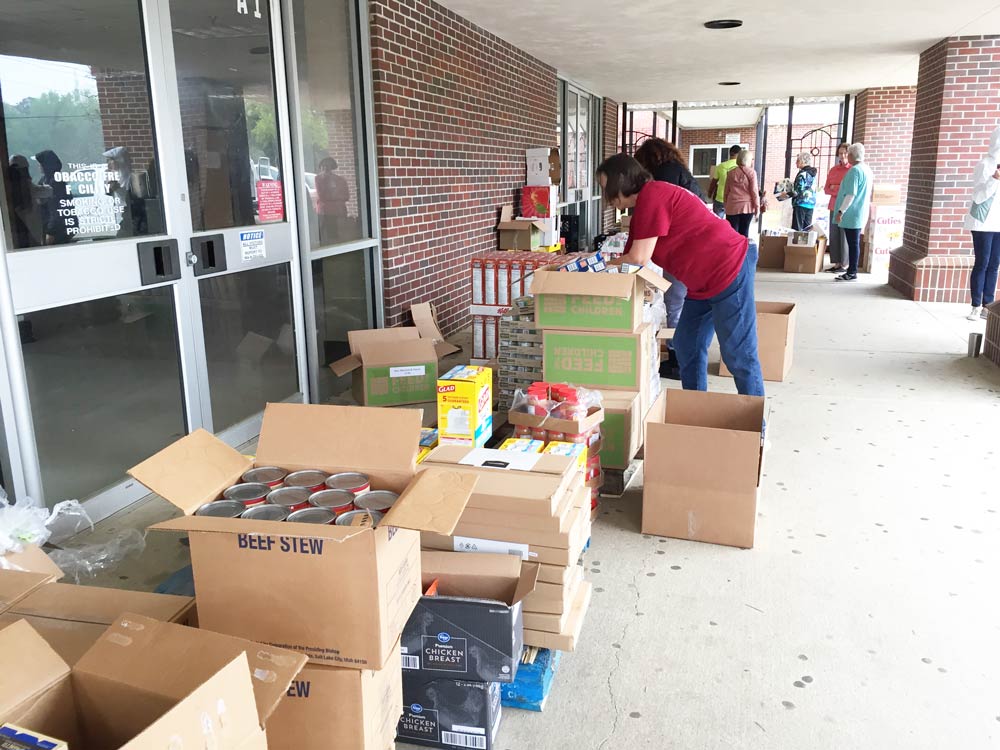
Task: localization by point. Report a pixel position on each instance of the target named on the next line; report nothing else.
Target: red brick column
(455, 109)
(612, 145)
(957, 102)
(883, 121)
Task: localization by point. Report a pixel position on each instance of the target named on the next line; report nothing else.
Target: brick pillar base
(930, 278)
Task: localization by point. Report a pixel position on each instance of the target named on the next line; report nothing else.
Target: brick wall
(957, 100)
(123, 98)
(455, 108)
(883, 121)
(612, 145)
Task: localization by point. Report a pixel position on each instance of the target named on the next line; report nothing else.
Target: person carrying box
(671, 227)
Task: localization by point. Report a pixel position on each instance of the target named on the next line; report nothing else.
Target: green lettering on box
(383, 390)
(585, 359)
(613, 441)
(584, 311)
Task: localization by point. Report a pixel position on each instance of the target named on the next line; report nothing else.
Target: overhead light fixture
(724, 23)
(729, 83)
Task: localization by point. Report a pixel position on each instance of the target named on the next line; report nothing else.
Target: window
(580, 116)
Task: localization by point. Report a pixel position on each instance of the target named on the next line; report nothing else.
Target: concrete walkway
(867, 616)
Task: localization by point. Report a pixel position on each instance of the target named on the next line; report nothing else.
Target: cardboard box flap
(211, 525)
(346, 365)
(551, 281)
(173, 660)
(775, 308)
(722, 411)
(192, 471)
(434, 501)
(487, 577)
(362, 340)
(23, 572)
(339, 438)
(100, 606)
(425, 319)
(416, 351)
(653, 279)
(28, 666)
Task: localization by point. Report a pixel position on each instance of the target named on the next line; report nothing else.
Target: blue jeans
(984, 273)
(719, 209)
(852, 237)
(733, 315)
(673, 299)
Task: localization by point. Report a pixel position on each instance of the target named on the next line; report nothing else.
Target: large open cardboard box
(703, 467)
(340, 594)
(580, 301)
(805, 259)
(775, 340)
(771, 251)
(391, 366)
(145, 685)
(329, 708)
(471, 628)
(520, 234)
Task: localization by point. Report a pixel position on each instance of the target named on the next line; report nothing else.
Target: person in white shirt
(983, 220)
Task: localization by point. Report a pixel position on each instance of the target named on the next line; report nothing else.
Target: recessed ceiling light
(724, 23)
(729, 83)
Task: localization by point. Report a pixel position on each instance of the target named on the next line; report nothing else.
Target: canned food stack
(520, 355)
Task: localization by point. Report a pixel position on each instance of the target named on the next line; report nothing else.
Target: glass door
(147, 285)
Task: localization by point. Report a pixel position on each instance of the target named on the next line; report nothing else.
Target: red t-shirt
(701, 250)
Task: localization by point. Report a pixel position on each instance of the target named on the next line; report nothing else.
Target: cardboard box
(592, 301)
(884, 234)
(24, 572)
(471, 628)
(887, 194)
(465, 406)
(72, 618)
(622, 428)
(13, 737)
(771, 251)
(146, 685)
(450, 713)
(391, 366)
(991, 341)
(521, 418)
(519, 234)
(554, 598)
(357, 586)
(613, 361)
(775, 340)
(703, 465)
(569, 636)
(346, 709)
(556, 622)
(561, 574)
(544, 166)
(809, 259)
(802, 239)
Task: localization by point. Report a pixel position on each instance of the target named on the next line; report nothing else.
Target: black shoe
(670, 369)
(847, 277)
(835, 269)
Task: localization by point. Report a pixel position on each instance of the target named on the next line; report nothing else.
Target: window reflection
(76, 131)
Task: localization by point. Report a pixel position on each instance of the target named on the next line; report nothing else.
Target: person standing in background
(803, 193)
(854, 202)
(717, 187)
(332, 195)
(665, 162)
(837, 246)
(742, 194)
(983, 220)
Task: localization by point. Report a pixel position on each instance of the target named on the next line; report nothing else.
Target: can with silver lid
(312, 479)
(250, 493)
(312, 515)
(265, 512)
(290, 498)
(351, 481)
(222, 509)
(272, 476)
(380, 500)
(339, 501)
(369, 518)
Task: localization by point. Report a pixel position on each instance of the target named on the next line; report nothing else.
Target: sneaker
(848, 277)
(976, 314)
(835, 269)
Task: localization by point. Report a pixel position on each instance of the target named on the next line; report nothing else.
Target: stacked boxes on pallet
(538, 507)
(519, 360)
(498, 278)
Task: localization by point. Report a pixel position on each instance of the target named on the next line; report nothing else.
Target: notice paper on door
(252, 245)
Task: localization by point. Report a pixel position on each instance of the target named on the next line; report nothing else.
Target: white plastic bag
(29, 523)
(88, 560)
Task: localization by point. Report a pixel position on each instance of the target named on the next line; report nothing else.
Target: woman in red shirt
(671, 227)
(838, 246)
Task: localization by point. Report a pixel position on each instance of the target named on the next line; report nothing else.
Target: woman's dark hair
(655, 152)
(328, 163)
(625, 176)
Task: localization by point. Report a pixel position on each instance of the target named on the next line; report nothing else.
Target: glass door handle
(158, 262)
(208, 254)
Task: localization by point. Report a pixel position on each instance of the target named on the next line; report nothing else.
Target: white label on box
(412, 371)
(490, 458)
(464, 740)
(471, 544)
(252, 245)
(410, 662)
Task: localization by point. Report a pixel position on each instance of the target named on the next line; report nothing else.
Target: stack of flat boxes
(519, 361)
(542, 513)
(498, 278)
